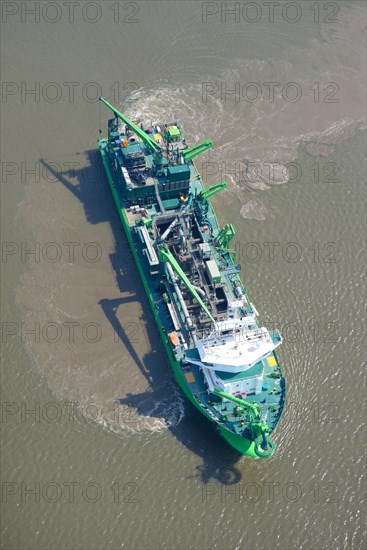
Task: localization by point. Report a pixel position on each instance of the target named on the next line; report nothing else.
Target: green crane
(253, 408)
(167, 256)
(208, 192)
(150, 143)
(192, 152)
(225, 236)
(264, 447)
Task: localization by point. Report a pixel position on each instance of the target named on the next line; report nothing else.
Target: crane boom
(210, 191)
(168, 257)
(225, 235)
(192, 152)
(152, 145)
(254, 408)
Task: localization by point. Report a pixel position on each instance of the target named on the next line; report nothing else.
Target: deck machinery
(223, 359)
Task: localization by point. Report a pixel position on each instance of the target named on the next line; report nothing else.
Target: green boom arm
(150, 143)
(206, 193)
(192, 152)
(225, 235)
(258, 428)
(168, 257)
(253, 408)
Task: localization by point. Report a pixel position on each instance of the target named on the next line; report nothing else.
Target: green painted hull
(239, 443)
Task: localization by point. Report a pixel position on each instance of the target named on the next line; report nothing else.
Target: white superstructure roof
(236, 350)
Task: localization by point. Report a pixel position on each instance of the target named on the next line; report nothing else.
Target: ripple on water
(96, 343)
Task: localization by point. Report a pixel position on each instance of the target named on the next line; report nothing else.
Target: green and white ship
(223, 359)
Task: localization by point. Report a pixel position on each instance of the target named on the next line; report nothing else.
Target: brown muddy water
(99, 448)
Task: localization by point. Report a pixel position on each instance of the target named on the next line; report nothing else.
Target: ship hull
(241, 444)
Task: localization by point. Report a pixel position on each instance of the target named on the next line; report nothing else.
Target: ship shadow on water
(89, 185)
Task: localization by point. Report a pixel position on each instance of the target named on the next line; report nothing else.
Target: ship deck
(271, 398)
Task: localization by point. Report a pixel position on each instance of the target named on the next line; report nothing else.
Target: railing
(275, 336)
